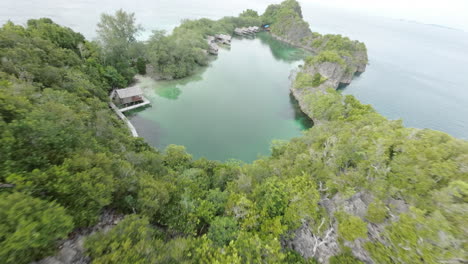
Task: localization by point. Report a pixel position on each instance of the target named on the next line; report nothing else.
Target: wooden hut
(223, 39)
(212, 47)
(129, 96)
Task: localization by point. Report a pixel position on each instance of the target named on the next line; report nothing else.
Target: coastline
(335, 74)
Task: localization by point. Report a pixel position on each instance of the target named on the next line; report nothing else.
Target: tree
(131, 241)
(223, 230)
(351, 227)
(176, 157)
(376, 212)
(30, 227)
(117, 34)
(249, 13)
(83, 183)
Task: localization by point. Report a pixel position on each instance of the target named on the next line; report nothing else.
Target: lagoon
(232, 109)
(417, 72)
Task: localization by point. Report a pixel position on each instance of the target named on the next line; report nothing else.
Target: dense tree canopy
(65, 157)
(117, 35)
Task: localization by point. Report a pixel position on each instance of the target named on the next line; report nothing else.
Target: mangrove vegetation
(355, 188)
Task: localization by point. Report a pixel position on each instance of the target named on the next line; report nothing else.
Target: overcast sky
(82, 15)
(452, 13)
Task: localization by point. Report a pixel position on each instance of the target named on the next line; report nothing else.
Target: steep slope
(335, 61)
(355, 188)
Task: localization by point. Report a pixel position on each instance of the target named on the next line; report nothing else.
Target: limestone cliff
(336, 58)
(335, 75)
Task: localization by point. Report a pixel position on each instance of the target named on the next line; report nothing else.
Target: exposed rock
(322, 243)
(298, 34)
(71, 250)
(397, 207)
(336, 75)
(318, 245)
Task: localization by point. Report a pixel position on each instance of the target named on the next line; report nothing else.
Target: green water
(232, 109)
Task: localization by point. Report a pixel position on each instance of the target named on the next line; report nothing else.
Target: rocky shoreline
(336, 74)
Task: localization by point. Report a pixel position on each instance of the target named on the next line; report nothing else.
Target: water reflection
(233, 108)
(304, 121)
(280, 50)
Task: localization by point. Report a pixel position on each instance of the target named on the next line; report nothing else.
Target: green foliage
(345, 258)
(178, 55)
(30, 227)
(141, 66)
(318, 79)
(275, 13)
(350, 227)
(294, 257)
(249, 13)
(176, 157)
(304, 80)
(68, 157)
(285, 20)
(326, 106)
(223, 230)
(113, 77)
(131, 241)
(338, 43)
(326, 56)
(376, 212)
(83, 184)
(416, 238)
(61, 36)
(355, 52)
(117, 36)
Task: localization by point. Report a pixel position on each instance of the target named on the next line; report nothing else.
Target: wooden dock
(120, 114)
(144, 103)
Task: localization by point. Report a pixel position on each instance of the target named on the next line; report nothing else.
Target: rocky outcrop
(336, 73)
(71, 250)
(317, 244)
(321, 241)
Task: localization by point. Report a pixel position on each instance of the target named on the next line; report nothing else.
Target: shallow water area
(231, 109)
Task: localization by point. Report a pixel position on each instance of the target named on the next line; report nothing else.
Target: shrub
(376, 212)
(350, 227)
(29, 227)
(303, 80)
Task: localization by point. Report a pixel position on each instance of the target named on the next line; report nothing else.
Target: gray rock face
(323, 244)
(298, 32)
(71, 251)
(336, 75)
(318, 245)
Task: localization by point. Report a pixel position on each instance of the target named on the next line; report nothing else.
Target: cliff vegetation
(355, 188)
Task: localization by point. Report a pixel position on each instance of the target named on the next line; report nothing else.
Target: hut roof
(129, 92)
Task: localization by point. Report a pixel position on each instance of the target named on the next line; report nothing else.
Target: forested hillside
(356, 188)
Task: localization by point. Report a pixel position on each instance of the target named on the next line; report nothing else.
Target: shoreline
(332, 71)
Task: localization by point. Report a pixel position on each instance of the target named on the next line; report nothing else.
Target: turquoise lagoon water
(417, 73)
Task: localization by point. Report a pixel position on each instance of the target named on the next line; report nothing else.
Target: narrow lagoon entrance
(232, 109)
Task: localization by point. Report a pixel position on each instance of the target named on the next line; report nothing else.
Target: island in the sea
(76, 187)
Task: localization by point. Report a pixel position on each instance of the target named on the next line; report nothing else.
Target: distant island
(76, 187)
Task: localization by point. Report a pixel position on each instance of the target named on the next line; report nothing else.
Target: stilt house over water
(129, 96)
